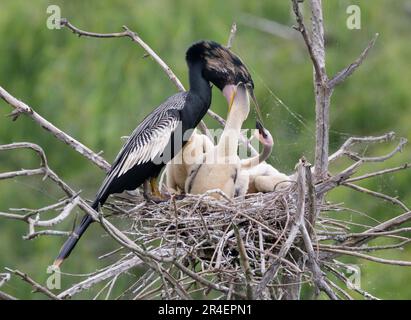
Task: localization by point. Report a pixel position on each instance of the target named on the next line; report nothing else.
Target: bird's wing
(148, 140)
(148, 143)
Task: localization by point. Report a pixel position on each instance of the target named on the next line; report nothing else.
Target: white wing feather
(149, 147)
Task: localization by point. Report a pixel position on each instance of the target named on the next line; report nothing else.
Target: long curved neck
(228, 144)
(198, 84)
(256, 160)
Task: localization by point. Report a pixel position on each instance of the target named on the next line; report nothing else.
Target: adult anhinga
(143, 155)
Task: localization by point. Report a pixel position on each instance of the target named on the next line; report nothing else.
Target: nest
(228, 242)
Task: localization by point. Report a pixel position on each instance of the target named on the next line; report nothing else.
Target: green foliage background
(99, 90)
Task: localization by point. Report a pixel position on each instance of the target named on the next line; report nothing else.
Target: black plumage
(153, 144)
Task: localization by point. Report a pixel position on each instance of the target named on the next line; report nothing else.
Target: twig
(135, 38)
(377, 194)
(370, 258)
(319, 74)
(37, 287)
(350, 142)
(379, 173)
(344, 279)
(6, 296)
(245, 265)
(20, 107)
(272, 270)
(345, 73)
(313, 264)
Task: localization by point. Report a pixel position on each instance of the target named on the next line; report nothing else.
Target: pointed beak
(263, 135)
(256, 106)
(229, 92)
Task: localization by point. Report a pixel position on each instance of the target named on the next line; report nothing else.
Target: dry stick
(36, 234)
(339, 289)
(91, 281)
(204, 281)
(373, 232)
(344, 74)
(272, 270)
(312, 211)
(344, 279)
(109, 273)
(377, 194)
(48, 173)
(314, 55)
(370, 258)
(261, 247)
(379, 173)
(6, 296)
(345, 148)
(113, 231)
(398, 148)
(366, 248)
(382, 228)
(313, 264)
(340, 178)
(312, 258)
(245, 264)
(37, 287)
(22, 108)
(177, 286)
(380, 233)
(135, 38)
(27, 145)
(323, 88)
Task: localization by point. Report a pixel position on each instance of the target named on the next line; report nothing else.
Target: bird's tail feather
(75, 237)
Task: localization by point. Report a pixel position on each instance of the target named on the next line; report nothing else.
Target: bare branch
(350, 142)
(20, 107)
(319, 74)
(377, 194)
(245, 264)
(135, 38)
(313, 264)
(37, 287)
(6, 296)
(370, 258)
(272, 270)
(379, 173)
(344, 74)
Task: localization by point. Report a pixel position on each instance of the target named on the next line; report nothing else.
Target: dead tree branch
(22, 108)
(345, 73)
(36, 286)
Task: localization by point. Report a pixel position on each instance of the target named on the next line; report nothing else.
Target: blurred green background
(98, 90)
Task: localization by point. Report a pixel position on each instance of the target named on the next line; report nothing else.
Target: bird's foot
(156, 199)
(179, 196)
